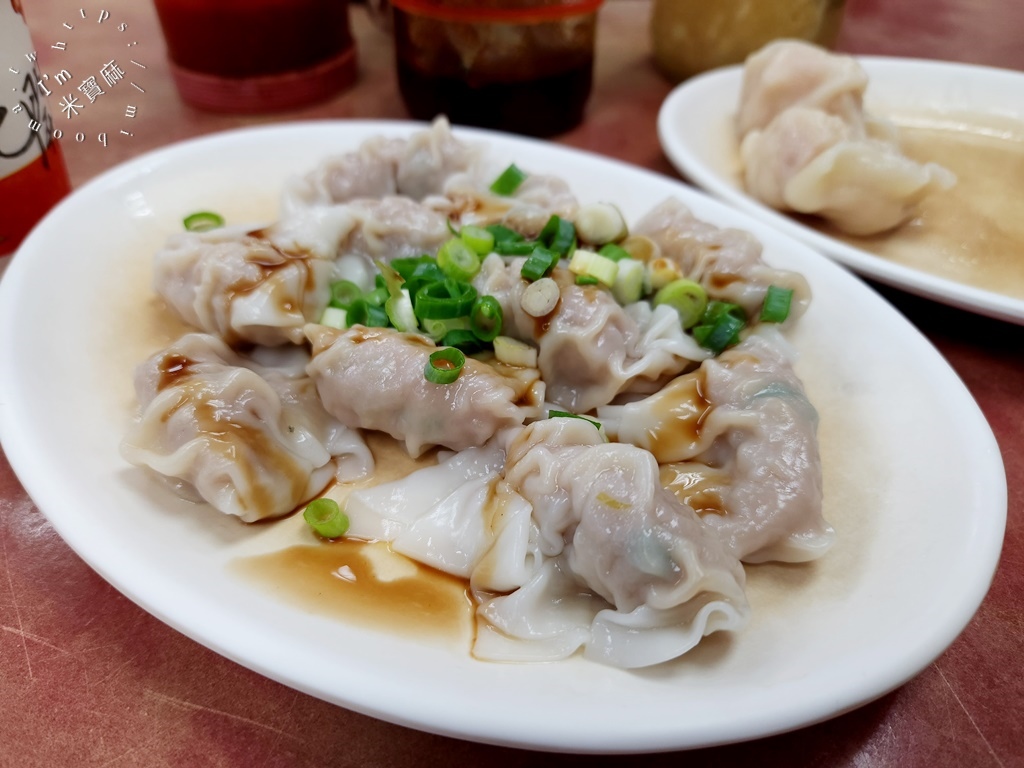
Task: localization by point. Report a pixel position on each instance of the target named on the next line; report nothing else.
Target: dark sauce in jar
(531, 77)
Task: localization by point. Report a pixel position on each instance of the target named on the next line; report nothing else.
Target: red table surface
(89, 679)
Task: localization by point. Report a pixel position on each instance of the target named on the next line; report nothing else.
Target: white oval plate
(695, 125)
(915, 554)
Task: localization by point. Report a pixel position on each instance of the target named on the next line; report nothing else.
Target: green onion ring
(203, 221)
(444, 365)
(444, 299)
(486, 318)
(325, 517)
(508, 182)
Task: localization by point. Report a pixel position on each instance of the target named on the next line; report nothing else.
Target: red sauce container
(258, 55)
(33, 177)
(517, 65)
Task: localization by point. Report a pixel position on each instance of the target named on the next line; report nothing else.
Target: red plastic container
(258, 55)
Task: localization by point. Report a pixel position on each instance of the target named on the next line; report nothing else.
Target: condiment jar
(517, 65)
(248, 56)
(691, 36)
(33, 177)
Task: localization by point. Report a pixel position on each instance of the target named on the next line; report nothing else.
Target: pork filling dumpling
(372, 378)
(616, 564)
(251, 446)
(737, 441)
(807, 145)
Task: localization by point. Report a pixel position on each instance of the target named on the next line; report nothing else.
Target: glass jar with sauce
(691, 36)
(258, 55)
(516, 65)
(33, 177)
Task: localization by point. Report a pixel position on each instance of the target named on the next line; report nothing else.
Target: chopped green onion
(457, 260)
(540, 298)
(586, 262)
(614, 252)
(720, 325)
(451, 227)
(776, 304)
(438, 329)
(540, 262)
(444, 366)
(629, 281)
(686, 297)
(377, 296)
(444, 299)
(477, 238)
(514, 352)
(600, 223)
(334, 317)
(559, 235)
(661, 272)
(567, 415)
(343, 293)
(360, 312)
(485, 319)
(587, 280)
(463, 340)
(325, 517)
(203, 221)
(508, 182)
(418, 272)
(401, 313)
(503, 234)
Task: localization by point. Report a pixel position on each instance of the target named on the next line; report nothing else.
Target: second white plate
(695, 126)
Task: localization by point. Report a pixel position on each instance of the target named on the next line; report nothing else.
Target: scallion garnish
(485, 319)
(477, 238)
(444, 366)
(343, 293)
(559, 235)
(508, 182)
(463, 340)
(776, 304)
(361, 312)
(687, 297)
(720, 325)
(203, 221)
(587, 280)
(457, 260)
(614, 252)
(444, 299)
(326, 518)
(540, 262)
(567, 415)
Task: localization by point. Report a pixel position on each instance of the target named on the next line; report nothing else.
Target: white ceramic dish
(695, 125)
(915, 555)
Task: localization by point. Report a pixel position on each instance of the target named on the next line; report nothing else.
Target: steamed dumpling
(738, 442)
(372, 378)
(590, 348)
(806, 144)
(616, 565)
(252, 442)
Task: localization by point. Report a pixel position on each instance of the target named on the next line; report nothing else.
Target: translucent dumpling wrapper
(414, 167)
(253, 443)
(236, 284)
(617, 565)
(590, 347)
(807, 145)
(737, 441)
(726, 262)
(373, 378)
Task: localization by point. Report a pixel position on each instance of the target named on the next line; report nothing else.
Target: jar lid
(523, 12)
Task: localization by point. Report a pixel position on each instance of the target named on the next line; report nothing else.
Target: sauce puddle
(367, 583)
